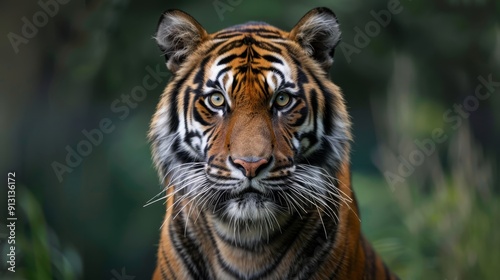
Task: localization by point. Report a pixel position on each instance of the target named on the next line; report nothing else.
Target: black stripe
(290, 240)
(264, 35)
(180, 154)
(287, 243)
(212, 48)
(180, 249)
(302, 112)
(318, 157)
(188, 248)
(339, 263)
(272, 58)
(235, 84)
(301, 78)
(227, 59)
(288, 85)
(274, 70)
(198, 117)
(269, 46)
(328, 109)
(228, 46)
(193, 135)
(270, 36)
(163, 273)
(264, 88)
(222, 72)
(206, 229)
(240, 31)
(185, 110)
(228, 36)
(219, 184)
(200, 75)
(174, 118)
(310, 250)
(199, 258)
(228, 269)
(210, 131)
(313, 95)
(276, 178)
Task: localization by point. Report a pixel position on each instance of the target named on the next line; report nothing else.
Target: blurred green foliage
(439, 223)
(40, 254)
(446, 208)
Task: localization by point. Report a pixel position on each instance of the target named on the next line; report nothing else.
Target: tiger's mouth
(248, 206)
(250, 195)
(247, 193)
(251, 199)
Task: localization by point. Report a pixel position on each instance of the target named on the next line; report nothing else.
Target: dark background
(436, 219)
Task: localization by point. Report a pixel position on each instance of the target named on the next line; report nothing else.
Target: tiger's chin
(249, 217)
(250, 206)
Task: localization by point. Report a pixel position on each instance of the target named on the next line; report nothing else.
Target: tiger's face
(250, 129)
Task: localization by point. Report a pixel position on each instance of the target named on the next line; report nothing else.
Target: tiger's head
(250, 129)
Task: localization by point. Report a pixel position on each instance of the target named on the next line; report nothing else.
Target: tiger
(251, 141)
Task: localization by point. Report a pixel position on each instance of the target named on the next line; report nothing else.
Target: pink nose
(250, 166)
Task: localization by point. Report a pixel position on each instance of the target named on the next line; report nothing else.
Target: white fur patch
(178, 36)
(314, 26)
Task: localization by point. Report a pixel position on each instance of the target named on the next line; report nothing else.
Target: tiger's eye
(282, 99)
(217, 99)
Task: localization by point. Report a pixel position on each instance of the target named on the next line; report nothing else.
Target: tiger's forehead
(253, 27)
(249, 59)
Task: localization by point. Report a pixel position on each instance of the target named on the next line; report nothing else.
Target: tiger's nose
(250, 166)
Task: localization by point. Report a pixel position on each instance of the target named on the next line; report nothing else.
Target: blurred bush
(447, 206)
(39, 252)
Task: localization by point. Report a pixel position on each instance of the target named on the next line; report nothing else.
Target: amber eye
(282, 99)
(217, 99)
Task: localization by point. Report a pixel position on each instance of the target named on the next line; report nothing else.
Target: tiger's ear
(318, 33)
(178, 35)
